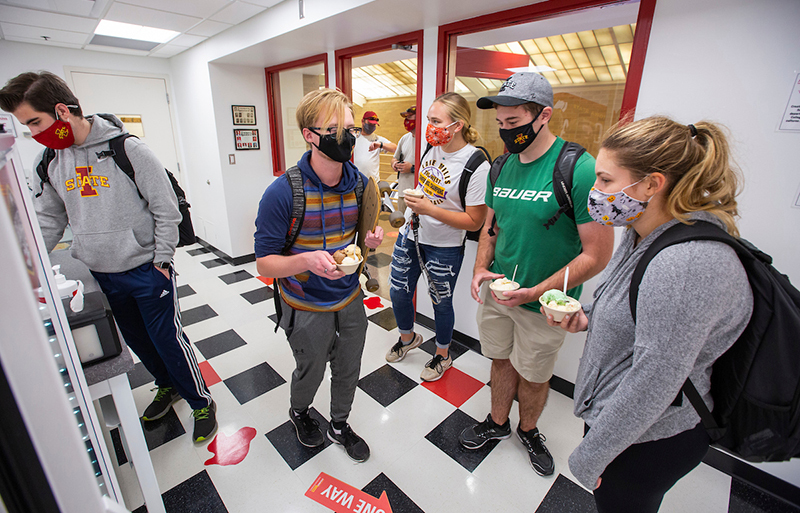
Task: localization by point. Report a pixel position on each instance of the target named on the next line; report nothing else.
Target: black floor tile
(219, 344)
(119, 451)
(565, 495)
(385, 319)
(195, 495)
(456, 349)
(158, 432)
(747, 499)
(197, 314)
(140, 509)
(139, 376)
(214, 263)
(185, 290)
(400, 502)
(386, 384)
(258, 295)
(284, 439)
(253, 382)
(445, 437)
(273, 318)
(236, 277)
(198, 251)
(379, 259)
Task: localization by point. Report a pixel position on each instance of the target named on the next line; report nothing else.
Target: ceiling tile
(196, 8)
(187, 40)
(237, 12)
(56, 36)
(43, 42)
(208, 28)
(11, 14)
(264, 3)
(126, 13)
(167, 51)
(76, 7)
(31, 4)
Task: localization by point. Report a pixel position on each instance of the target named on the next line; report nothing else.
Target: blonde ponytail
(695, 159)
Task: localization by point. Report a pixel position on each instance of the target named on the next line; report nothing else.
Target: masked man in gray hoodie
(125, 232)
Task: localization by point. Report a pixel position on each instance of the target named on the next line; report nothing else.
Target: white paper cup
(500, 292)
(413, 192)
(349, 268)
(558, 314)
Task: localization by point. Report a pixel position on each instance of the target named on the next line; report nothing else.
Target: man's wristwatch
(163, 265)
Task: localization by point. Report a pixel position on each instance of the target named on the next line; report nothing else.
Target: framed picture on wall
(244, 114)
(246, 139)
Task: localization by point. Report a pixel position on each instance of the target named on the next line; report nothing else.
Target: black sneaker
(308, 432)
(356, 447)
(475, 436)
(205, 423)
(165, 398)
(541, 461)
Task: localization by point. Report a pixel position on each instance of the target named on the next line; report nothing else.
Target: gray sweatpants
(314, 342)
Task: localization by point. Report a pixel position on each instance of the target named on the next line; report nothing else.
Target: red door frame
(344, 69)
(540, 11)
(274, 98)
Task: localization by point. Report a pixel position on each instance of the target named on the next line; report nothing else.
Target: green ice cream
(555, 295)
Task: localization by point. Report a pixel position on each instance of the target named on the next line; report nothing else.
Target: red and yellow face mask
(57, 136)
(438, 136)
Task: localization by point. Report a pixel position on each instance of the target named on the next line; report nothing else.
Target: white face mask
(615, 208)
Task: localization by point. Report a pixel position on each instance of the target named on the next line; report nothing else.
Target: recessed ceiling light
(536, 69)
(138, 32)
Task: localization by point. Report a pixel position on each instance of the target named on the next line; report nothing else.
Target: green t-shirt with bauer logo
(523, 200)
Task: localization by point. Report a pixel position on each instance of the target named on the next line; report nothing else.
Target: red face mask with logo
(410, 124)
(57, 136)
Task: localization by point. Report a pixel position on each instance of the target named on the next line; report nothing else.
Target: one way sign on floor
(343, 498)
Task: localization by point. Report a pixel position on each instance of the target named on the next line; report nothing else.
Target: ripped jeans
(443, 265)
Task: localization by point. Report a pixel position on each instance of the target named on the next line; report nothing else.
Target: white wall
(244, 182)
(734, 61)
(16, 58)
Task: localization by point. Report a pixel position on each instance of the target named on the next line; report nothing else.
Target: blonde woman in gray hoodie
(694, 301)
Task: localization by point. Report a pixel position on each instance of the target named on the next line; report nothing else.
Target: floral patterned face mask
(438, 136)
(615, 208)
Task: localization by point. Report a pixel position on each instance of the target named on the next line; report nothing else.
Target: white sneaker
(399, 351)
(435, 368)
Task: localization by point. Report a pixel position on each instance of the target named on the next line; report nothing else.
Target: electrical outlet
(231, 159)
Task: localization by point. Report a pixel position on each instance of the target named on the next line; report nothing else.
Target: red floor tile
(455, 387)
(267, 281)
(210, 375)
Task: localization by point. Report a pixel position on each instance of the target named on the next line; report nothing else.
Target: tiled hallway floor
(255, 464)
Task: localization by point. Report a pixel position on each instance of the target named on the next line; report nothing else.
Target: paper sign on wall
(791, 116)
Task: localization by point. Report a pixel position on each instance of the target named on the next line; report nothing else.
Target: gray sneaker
(435, 367)
(399, 351)
(165, 398)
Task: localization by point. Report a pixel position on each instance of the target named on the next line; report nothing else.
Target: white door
(131, 97)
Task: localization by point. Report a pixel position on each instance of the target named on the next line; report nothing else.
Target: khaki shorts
(519, 335)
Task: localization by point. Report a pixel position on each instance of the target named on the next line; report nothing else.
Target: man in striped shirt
(321, 308)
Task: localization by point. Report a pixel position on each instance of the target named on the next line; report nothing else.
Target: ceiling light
(536, 69)
(138, 32)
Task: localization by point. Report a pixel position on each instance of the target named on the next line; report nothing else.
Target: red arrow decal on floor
(343, 498)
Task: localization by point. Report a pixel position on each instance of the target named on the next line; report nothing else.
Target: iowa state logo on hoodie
(86, 181)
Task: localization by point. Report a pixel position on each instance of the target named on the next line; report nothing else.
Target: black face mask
(519, 138)
(331, 147)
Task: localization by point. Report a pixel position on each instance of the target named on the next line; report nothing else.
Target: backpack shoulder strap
(42, 168)
(427, 149)
(700, 230)
(359, 190)
(295, 178)
(120, 156)
(563, 172)
(494, 174)
(475, 160)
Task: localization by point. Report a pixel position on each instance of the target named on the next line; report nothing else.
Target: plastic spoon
(515, 273)
(566, 277)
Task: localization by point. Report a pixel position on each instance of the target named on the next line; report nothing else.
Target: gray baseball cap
(519, 88)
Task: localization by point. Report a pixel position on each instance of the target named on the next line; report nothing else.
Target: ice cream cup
(559, 313)
(413, 192)
(349, 268)
(500, 292)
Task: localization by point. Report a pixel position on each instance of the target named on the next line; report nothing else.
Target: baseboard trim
(228, 259)
(715, 458)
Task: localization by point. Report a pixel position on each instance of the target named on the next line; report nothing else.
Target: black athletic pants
(637, 479)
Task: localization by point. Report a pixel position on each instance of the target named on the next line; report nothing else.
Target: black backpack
(475, 160)
(186, 234)
(563, 172)
(295, 178)
(756, 383)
